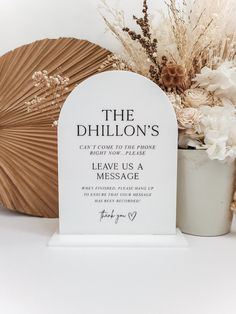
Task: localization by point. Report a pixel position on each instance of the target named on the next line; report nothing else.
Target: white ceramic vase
(205, 189)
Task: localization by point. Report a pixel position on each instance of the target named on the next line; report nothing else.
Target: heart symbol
(132, 215)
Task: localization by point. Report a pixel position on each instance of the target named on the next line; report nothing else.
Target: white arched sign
(117, 154)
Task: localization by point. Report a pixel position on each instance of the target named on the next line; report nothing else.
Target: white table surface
(35, 279)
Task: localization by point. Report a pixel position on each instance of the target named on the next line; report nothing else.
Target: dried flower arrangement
(190, 52)
(51, 87)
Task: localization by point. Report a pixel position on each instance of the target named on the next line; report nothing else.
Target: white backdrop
(23, 21)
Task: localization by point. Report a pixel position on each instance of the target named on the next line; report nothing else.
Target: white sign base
(118, 240)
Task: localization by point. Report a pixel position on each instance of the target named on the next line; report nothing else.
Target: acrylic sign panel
(117, 148)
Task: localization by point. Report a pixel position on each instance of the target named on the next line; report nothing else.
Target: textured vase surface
(205, 189)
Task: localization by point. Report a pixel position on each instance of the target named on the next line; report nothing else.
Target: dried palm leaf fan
(28, 146)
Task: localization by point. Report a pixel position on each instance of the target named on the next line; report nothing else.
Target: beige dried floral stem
(199, 29)
(233, 204)
(189, 32)
(28, 142)
(53, 88)
(133, 56)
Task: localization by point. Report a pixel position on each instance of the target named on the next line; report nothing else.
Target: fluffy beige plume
(196, 33)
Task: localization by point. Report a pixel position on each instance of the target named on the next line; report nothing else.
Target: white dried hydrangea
(221, 81)
(209, 127)
(218, 125)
